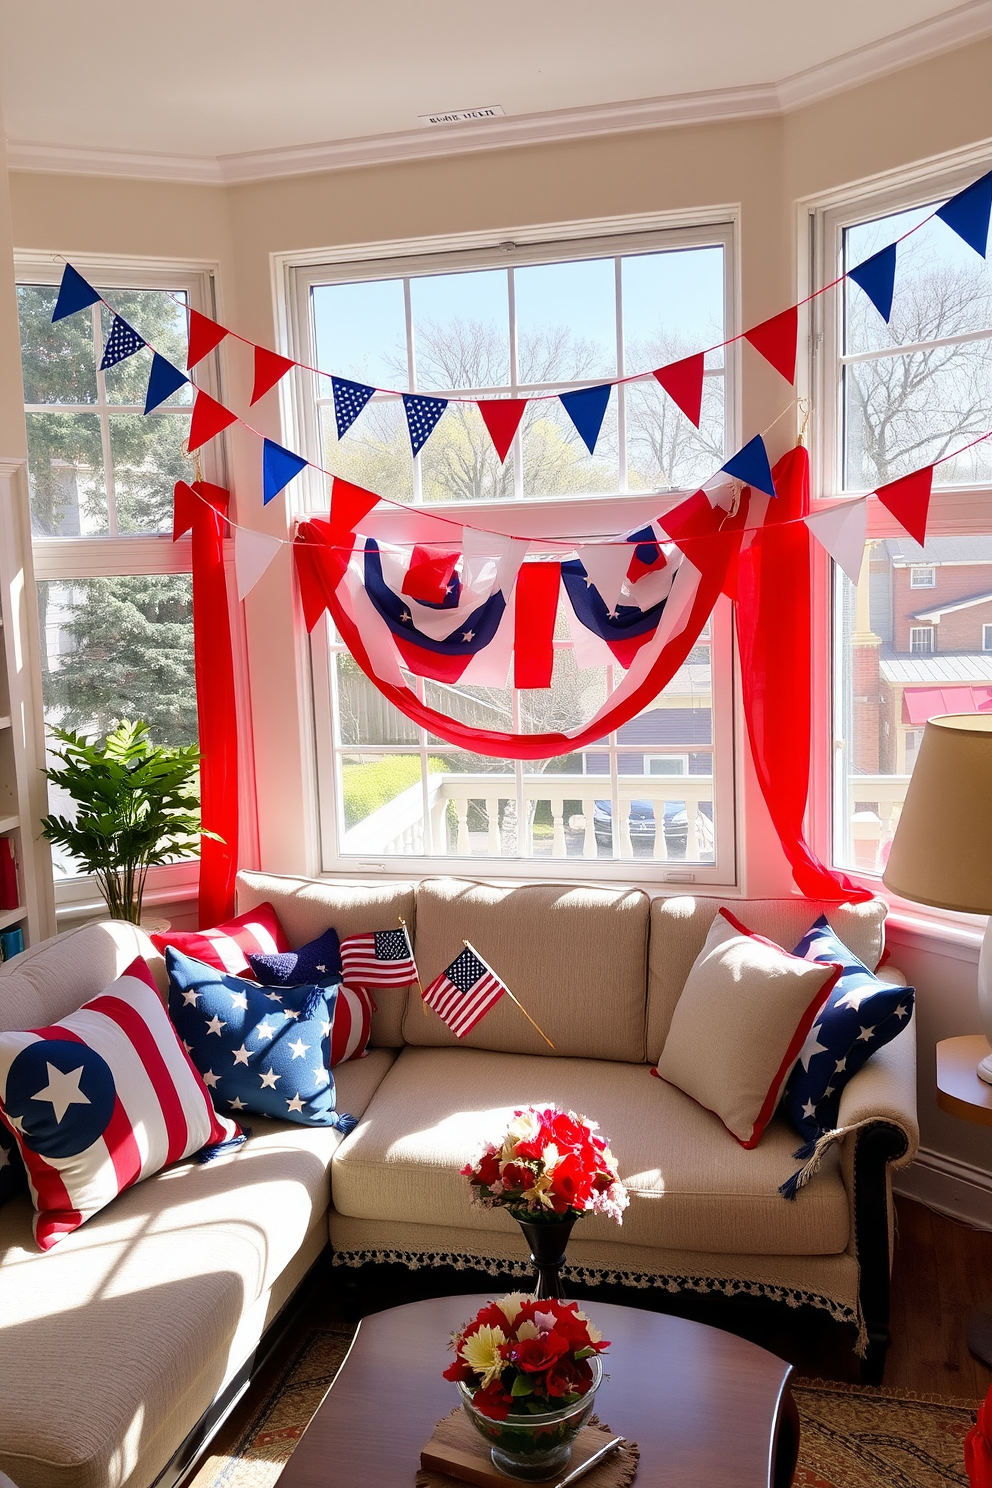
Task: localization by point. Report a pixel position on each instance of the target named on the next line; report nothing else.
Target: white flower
(481, 1353)
(594, 1334)
(511, 1304)
(527, 1330)
(521, 1129)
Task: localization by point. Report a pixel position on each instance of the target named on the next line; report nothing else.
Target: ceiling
(208, 79)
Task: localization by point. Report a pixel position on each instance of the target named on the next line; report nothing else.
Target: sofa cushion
(679, 927)
(307, 907)
(574, 956)
(740, 1023)
(132, 1312)
(692, 1186)
(226, 947)
(53, 978)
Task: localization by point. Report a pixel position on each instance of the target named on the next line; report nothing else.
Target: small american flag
(382, 958)
(464, 992)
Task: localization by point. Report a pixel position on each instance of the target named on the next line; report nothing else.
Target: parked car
(641, 825)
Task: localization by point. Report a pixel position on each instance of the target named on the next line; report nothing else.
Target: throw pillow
(742, 1018)
(351, 1024)
(317, 964)
(101, 1100)
(258, 1049)
(12, 1179)
(861, 1014)
(226, 947)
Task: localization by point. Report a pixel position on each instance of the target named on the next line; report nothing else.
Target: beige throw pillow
(743, 1016)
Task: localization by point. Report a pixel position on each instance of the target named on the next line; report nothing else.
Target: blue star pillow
(317, 964)
(861, 1014)
(12, 1176)
(261, 1049)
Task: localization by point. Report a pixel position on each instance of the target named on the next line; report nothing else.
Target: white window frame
(923, 576)
(919, 633)
(294, 275)
(103, 556)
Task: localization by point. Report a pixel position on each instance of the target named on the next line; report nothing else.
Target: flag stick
(510, 994)
(420, 985)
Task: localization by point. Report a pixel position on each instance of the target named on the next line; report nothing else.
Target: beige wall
(759, 167)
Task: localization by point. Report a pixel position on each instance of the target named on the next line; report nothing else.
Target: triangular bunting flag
(606, 565)
(183, 509)
(776, 341)
(279, 466)
(349, 400)
(209, 419)
(751, 466)
(308, 573)
(422, 415)
(429, 573)
(204, 335)
(501, 417)
(908, 500)
(122, 343)
(349, 504)
(877, 277)
(968, 213)
(165, 380)
(253, 552)
(683, 382)
(586, 409)
(841, 530)
(269, 367)
(74, 294)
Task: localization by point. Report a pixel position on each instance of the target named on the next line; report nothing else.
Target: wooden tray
(457, 1450)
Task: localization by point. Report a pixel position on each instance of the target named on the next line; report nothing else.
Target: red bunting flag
(204, 335)
(209, 419)
(776, 340)
(908, 499)
(349, 504)
(534, 624)
(683, 382)
(269, 367)
(429, 573)
(501, 417)
(188, 500)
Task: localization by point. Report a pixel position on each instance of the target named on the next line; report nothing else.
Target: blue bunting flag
(877, 277)
(968, 213)
(349, 400)
(751, 466)
(586, 409)
(165, 379)
(279, 466)
(74, 294)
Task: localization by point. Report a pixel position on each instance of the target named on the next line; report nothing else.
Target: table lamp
(942, 850)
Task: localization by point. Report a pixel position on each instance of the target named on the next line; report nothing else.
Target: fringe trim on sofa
(812, 1154)
(729, 1286)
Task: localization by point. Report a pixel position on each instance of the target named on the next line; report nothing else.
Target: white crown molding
(966, 24)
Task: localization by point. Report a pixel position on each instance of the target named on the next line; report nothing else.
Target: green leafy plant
(137, 807)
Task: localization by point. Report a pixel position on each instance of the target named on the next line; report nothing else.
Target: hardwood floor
(942, 1269)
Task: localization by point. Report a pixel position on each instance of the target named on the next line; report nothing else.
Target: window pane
(364, 715)
(459, 463)
(148, 460)
(461, 334)
(672, 305)
(383, 803)
(66, 474)
(58, 362)
(375, 452)
(664, 448)
(557, 462)
(566, 320)
(901, 656)
(160, 318)
(361, 332)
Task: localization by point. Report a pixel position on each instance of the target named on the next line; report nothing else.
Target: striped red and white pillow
(227, 946)
(351, 1027)
(102, 1099)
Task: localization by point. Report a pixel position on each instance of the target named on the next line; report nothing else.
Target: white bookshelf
(23, 798)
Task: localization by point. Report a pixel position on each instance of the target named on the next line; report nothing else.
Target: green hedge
(369, 786)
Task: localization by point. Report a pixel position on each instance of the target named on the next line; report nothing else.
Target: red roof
(921, 703)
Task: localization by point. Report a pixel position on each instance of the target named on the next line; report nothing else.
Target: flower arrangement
(550, 1165)
(524, 1356)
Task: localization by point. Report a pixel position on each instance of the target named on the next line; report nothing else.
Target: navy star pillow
(861, 1014)
(258, 1049)
(13, 1180)
(317, 964)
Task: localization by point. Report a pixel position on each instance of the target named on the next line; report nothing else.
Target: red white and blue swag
(102, 1099)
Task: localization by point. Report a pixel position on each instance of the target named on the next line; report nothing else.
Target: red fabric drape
(202, 507)
(774, 633)
(978, 1447)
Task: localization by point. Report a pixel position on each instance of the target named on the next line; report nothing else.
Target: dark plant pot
(548, 1241)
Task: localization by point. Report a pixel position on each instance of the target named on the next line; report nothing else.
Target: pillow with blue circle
(261, 1049)
(861, 1014)
(13, 1180)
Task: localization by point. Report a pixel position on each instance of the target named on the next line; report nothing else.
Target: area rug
(852, 1437)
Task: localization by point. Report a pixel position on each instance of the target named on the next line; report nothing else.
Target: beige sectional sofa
(114, 1344)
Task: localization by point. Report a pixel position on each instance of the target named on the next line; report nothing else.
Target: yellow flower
(481, 1352)
(527, 1330)
(538, 1192)
(511, 1304)
(521, 1129)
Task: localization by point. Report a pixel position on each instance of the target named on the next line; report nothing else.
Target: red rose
(568, 1377)
(535, 1355)
(494, 1401)
(572, 1185)
(515, 1175)
(459, 1370)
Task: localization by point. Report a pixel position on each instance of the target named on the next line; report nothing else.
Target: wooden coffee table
(707, 1410)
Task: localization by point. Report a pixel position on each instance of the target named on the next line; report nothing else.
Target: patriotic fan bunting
(269, 368)
(968, 213)
(877, 277)
(422, 415)
(751, 466)
(587, 408)
(623, 628)
(776, 341)
(431, 575)
(164, 380)
(204, 335)
(279, 466)
(501, 417)
(349, 400)
(649, 555)
(122, 343)
(683, 382)
(74, 294)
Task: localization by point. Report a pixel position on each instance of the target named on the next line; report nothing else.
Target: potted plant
(137, 807)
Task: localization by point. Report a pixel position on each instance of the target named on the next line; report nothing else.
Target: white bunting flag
(607, 565)
(841, 530)
(253, 552)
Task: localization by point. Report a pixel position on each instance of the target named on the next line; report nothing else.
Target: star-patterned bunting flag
(122, 343)
(422, 415)
(349, 400)
(279, 467)
(74, 294)
(587, 408)
(877, 277)
(164, 380)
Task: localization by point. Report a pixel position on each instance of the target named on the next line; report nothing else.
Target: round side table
(961, 1093)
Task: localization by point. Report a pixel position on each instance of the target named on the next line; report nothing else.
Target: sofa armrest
(884, 1092)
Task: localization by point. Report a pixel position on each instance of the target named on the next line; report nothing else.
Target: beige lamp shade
(942, 850)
